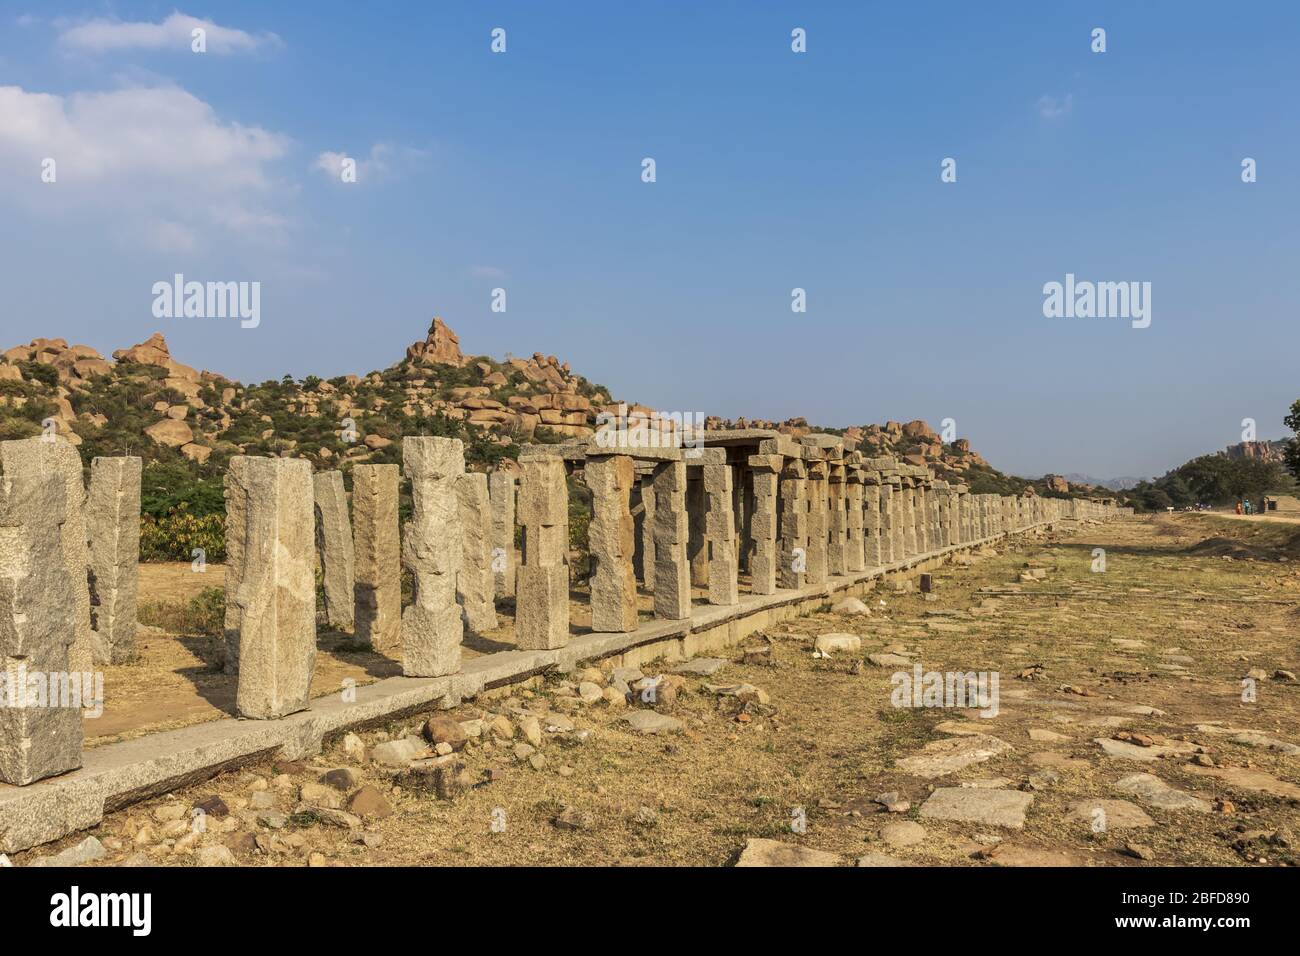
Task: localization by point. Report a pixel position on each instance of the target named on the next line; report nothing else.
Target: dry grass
(834, 740)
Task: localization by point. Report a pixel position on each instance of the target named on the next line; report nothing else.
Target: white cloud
(382, 161)
(157, 161)
(1055, 107)
(175, 33)
(487, 272)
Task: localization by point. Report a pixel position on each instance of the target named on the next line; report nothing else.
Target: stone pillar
(922, 496)
(55, 459)
(886, 521)
(38, 608)
(837, 519)
(647, 531)
(334, 545)
(818, 523)
(501, 494)
(433, 550)
(610, 539)
(696, 552)
(765, 473)
(378, 589)
(542, 583)
(671, 533)
(908, 500)
(793, 569)
(897, 518)
(475, 584)
(113, 532)
(855, 551)
(275, 589)
(872, 526)
(720, 532)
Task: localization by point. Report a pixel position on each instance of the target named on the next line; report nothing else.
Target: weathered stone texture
(378, 588)
(671, 533)
(542, 583)
(275, 589)
(793, 567)
(764, 558)
(501, 494)
(53, 458)
(476, 584)
(38, 608)
(720, 534)
(611, 543)
(818, 524)
(433, 626)
(334, 545)
(113, 531)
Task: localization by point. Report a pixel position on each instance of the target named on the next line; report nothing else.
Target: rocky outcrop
(440, 347)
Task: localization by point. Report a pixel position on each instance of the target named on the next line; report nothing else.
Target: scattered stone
(1003, 808)
(212, 806)
(342, 779)
(443, 729)
(760, 852)
(1251, 738)
(1132, 750)
(354, 748)
(1114, 814)
(216, 855)
(652, 722)
(369, 803)
(590, 692)
(1255, 781)
(892, 802)
(571, 818)
(942, 757)
(1152, 790)
(701, 666)
(850, 607)
(398, 753)
(888, 660)
(744, 692)
(838, 643)
(1139, 852)
(87, 851)
(902, 833)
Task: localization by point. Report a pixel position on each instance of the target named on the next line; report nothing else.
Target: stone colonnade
(746, 512)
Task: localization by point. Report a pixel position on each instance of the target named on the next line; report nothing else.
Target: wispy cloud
(383, 161)
(102, 35)
(1055, 107)
(487, 272)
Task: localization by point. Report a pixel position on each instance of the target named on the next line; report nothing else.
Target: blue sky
(775, 170)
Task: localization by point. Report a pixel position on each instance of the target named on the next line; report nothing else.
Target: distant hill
(1112, 484)
(144, 402)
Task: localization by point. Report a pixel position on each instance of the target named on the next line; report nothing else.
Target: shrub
(204, 614)
(174, 537)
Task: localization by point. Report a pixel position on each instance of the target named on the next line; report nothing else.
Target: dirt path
(1148, 656)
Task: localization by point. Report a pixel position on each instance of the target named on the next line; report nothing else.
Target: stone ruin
(738, 518)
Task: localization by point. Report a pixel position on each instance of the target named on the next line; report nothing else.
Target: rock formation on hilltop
(435, 389)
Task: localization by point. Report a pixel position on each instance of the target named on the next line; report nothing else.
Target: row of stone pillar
(801, 513)
(69, 571)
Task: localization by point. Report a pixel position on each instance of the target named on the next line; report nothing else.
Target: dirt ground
(1148, 655)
